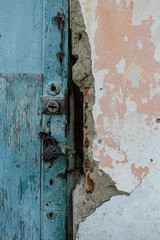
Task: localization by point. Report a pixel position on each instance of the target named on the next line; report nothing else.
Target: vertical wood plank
(20, 156)
(20, 36)
(20, 118)
(20, 51)
(55, 71)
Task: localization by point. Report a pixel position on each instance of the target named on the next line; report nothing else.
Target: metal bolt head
(50, 215)
(53, 88)
(52, 107)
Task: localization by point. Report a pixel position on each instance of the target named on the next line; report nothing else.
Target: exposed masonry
(94, 187)
(125, 61)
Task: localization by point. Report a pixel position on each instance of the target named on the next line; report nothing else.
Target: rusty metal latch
(51, 151)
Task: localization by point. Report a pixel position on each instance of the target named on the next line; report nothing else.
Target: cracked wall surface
(116, 44)
(94, 186)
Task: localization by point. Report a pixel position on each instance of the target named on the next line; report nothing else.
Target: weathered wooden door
(33, 64)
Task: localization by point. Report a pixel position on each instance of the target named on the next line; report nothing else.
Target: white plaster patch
(144, 100)
(134, 137)
(131, 105)
(132, 76)
(99, 90)
(143, 80)
(127, 3)
(157, 77)
(143, 11)
(125, 38)
(118, 2)
(139, 44)
(118, 96)
(127, 217)
(121, 66)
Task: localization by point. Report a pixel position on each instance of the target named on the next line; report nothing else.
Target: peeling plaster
(121, 66)
(121, 51)
(127, 95)
(142, 12)
(87, 197)
(132, 75)
(118, 1)
(139, 44)
(84, 203)
(127, 217)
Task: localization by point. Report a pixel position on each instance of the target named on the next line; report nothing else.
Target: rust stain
(60, 22)
(89, 184)
(60, 55)
(62, 175)
(86, 141)
(87, 166)
(85, 94)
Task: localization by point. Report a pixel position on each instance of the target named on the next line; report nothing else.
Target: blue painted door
(33, 64)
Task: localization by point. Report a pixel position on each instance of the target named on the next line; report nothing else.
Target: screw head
(52, 107)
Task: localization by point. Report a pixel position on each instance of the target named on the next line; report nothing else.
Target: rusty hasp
(51, 151)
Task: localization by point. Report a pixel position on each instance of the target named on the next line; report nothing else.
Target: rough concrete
(127, 217)
(85, 203)
(82, 70)
(94, 187)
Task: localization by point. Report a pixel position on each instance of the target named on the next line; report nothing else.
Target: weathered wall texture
(87, 195)
(120, 42)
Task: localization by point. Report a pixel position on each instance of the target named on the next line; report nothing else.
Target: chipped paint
(125, 148)
(89, 192)
(127, 217)
(34, 202)
(121, 66)
(123, 38)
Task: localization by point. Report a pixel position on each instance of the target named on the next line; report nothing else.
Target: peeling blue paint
(30, 43)
(54, 195)
(19, 146)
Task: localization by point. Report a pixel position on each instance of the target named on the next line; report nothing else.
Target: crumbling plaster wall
(116, 43)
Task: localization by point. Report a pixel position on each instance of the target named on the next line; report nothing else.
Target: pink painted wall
(127, 75)
(124, 37)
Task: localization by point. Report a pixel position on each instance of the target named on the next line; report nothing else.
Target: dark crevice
(74, 60)
(75, 115)
(78, 114)
(78, 101)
